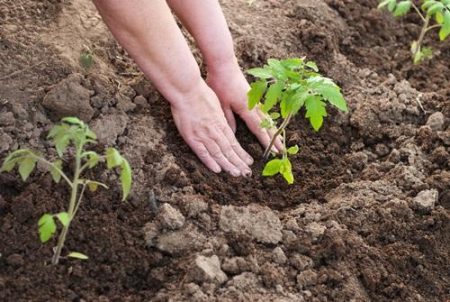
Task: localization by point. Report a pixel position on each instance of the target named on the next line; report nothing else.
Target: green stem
(279, 130)
(73, 201)
(418, 12)
(63, 175)
(421, 37)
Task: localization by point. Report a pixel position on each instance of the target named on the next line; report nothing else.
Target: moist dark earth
(366, 220)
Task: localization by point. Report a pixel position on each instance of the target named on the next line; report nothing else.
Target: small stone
(7, 119)
(141, 102)
(207, 269)
(301, 262)
(316, 230)
(179, 242)
(306, 278)
(193, 204)
(436, 121)
(170, 218)
(278, 256)
(15, 260)
(425, 200)
(260, 223)
(109, 127)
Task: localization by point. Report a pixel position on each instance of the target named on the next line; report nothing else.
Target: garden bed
(367, 219)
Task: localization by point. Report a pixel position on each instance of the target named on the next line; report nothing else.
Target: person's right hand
(202, 124)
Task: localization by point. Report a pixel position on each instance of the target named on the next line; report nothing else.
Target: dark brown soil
(351, 228)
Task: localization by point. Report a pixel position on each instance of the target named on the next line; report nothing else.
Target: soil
(368, 218)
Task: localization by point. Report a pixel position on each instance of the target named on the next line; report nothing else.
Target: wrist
(223, 65)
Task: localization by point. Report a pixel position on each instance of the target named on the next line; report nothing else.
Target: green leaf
(391, 5)
(298, 100)
(445, 28)
(47, 227)
(266, 124)
(293, 150)
(292, 63)
(113, 158)
(332, 93)
(272, 96)
(272, 167)
(125, 178)
(261, 73)
(439, 17)
(56, 175)
(402, 8)
(64, 218)
(315, 111)
(78, 255)
(312, 65)
(73, 121)
(11, 160)
(255, 93)
(274, 115)
(92, 158)
(384, 3)
(437, 7)
(286, 171)
(26, 166)
(93, 185)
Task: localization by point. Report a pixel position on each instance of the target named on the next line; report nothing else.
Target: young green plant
(435, 14)
(282, 89)
(75, 133)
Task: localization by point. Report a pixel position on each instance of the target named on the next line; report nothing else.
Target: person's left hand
(231, 87)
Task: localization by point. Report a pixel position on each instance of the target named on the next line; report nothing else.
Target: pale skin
(202, 110)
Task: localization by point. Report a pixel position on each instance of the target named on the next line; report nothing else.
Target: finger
(278, 144)
(253, 122)
(203, 154)
(243, 155)
(229, 115)
(217, 154)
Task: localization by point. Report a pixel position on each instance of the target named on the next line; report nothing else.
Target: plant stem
(422, 35)
(63, 175)
(279, 130)
(73, 201)
(418, 11)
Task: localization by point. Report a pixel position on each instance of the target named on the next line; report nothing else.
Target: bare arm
(148, 31)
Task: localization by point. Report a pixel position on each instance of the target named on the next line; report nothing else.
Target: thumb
(230, 118)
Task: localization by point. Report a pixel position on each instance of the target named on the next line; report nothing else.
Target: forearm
(147, 30)
(204, 19)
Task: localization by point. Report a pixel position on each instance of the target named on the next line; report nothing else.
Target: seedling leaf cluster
(71, 133)
(435, 14)
(282, 89)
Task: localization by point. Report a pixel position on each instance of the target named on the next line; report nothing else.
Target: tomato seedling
(282, 88)
(429, 10)
(73, 132)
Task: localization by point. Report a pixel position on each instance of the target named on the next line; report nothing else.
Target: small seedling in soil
(86, 60)
(70, 133)
(434, 15)
(281, 90)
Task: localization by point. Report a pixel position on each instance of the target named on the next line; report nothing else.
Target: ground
(368, 218)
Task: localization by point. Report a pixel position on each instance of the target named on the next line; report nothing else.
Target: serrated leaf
(292, 63)
(125, 178)
(78, 255)
(92, 158)
(332, 94)
(64, 218)
(261, 73)
(61, 143)
(56, 175)
(445, 28)
(26, 166)
(402, 8)
(47, 227)
(272, 167)
(255, 93)
(315, 111)
(272, 96)
(113, 158)
(312, 65)
(293, 150)
(298, 100)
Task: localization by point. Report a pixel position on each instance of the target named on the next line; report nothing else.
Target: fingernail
(235, 173)
(249, 160)
(247, 173)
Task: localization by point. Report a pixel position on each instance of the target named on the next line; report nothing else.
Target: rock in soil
(207, 269)
(436, 121)
(425, 200)
(260, 223)
(69, 98)
(170, 218)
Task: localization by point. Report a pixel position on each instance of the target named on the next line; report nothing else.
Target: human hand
(231, 87)
(202, 124)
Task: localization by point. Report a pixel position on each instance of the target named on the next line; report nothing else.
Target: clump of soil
(366, 220)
